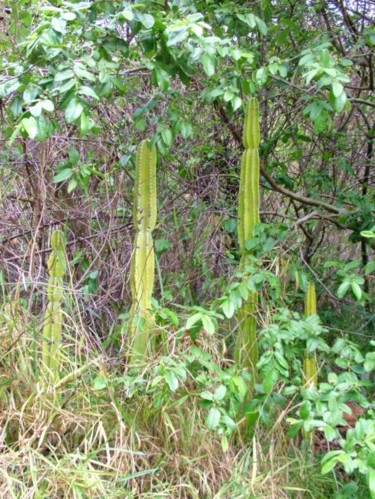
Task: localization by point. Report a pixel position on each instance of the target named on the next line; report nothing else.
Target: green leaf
(186, 129)
(213, 418)
(261, 25)
(172, 381)
(228, 308)
(47, 105)
(30, 125)
(193, 320)
(304, 410)
(220, 393)
(62, 175)
(330, 460)
(167, 136)
(99, 383)
(85, 124)
(89, 92)
(73, 111)
(208, 64)
(337, 88)
(343, 288)
(224, 443)
(72, 185)
(146, 19)
(206, 395)
(67, 74)
(330, 433)
(357, 291)
(270, 377)
(208, 324)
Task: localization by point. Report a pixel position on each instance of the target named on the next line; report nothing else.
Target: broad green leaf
(357, 291)
(67, 74)
(89, 92)
(146, 19)
(30, 126)
(228, 308)
(62, 175)
(167, 136)
(213, 418)
(193, 320)
(343, 288)
(337, 88)
(72, 185)
(220, 392)
(208, 324)
(208, 62)
(172, 381)
(73, 111)
(304, 410)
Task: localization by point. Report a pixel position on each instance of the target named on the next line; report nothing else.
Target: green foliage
(357, 452)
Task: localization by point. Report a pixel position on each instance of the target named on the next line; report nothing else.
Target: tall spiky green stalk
(52, 324)
(246, 349)
(143, 260)
(310, 366)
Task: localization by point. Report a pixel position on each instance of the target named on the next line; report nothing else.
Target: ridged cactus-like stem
(143, 260)
(246, 348)
(52, 324)
(310, 367)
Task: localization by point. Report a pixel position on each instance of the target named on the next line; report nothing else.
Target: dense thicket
(81, 85)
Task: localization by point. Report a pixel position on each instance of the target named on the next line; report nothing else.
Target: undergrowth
(103, 430)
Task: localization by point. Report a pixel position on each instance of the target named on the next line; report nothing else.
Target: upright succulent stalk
(52, 325)
(310, 367)
(143, 260)
(246, 349)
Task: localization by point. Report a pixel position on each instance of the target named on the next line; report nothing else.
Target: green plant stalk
(52, 324)
(246, 348)
(310, 365)
(142, 272)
